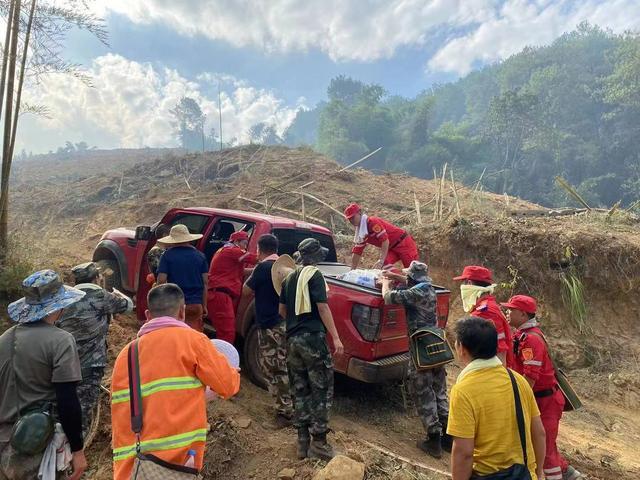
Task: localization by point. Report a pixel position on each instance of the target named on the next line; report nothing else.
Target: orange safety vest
(175, 365)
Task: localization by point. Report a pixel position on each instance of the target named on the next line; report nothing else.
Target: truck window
(195, 223)
(289, 239)
(222, 230)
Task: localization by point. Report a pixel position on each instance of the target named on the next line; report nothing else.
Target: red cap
(521, 302)
(351, 210)
(476, 273)
(239, 236)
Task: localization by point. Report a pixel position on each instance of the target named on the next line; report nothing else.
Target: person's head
(476, 338)
(476, 275)
(417, 272)
(162, 230)
(520, 309)
(166, 300)
(240, 239)
(311, 252)
(353, 213)
(86, 273)
(45, 298)
(267, 246)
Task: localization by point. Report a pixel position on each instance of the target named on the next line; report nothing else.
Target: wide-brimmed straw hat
(180, 234)
(280, 270)
(44, 294)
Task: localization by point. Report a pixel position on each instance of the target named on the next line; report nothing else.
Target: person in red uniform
(477, 299)
(532, 360)
(226, 275)
(395, 244)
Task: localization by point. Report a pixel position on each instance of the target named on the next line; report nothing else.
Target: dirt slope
(62, 208)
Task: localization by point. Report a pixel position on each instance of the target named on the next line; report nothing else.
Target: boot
(446, 440)
(303, 443)
(432, 445)
(571, 474)
(320, 448)
(282, 421)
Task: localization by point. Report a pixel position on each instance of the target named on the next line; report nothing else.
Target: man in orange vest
(533, 362)
(175, 364)
(395, 244)
(478, 300)
(226, 275)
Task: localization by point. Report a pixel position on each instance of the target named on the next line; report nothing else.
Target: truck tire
(111, 274)
(251, 356)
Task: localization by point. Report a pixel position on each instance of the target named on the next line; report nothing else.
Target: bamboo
(359, 161)
(455, 194)
(417, 204)
(286, 210)
(304, 212)
(480, 179)
(444, 173)
(572, 192)
(403, 459)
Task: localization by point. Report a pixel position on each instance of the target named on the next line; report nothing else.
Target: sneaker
(320, 448)
(432, 445)
(303, 444)
(571, 474)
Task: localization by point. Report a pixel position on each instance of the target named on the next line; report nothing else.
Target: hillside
(57, 218)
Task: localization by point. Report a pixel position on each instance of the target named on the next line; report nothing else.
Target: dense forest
(571, 109)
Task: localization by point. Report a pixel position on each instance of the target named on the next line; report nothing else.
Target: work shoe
(432, 445)
(282, 421)
(320, 448)
(303, 443)
(571, 474)
(447, 442)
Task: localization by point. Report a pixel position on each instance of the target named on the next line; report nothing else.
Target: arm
(355, 260)
(117, 302)
(245, 298)
(162, 273)
(539, 439)
(205, 291)
(384, 251)
(70, 415)
(462, 458)
(213, 369)
(282, 310)
(327, 320)
(162, 278)
(503, 357)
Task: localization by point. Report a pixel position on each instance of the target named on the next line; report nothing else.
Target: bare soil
(61, 207)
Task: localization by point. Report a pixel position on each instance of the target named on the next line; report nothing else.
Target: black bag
(516, 471)
(34, 429)
(430, 348)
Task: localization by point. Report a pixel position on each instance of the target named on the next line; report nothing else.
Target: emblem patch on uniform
(527, 353)
(377, 228)
(483, 307)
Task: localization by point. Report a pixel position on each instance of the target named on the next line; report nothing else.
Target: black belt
(402, 237)
(545, 393)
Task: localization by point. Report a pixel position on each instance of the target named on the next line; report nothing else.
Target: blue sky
(276, 56)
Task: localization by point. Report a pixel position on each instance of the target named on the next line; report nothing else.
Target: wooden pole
(358, 161)
(286, 210)
(455, 194)
(304, 212)
(417, 204)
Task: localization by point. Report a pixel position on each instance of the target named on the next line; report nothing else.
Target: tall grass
(573, 297)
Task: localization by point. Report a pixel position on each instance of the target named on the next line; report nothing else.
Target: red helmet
(239, 236)
(476, 274)
(523, 303)
(352, 210)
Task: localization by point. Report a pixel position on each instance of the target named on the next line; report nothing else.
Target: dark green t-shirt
(307, 322)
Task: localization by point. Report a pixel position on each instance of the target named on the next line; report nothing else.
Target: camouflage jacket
(419, 304)
(88, 322)
(153, 258)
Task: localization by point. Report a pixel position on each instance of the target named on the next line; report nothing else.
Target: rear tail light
(367, 321)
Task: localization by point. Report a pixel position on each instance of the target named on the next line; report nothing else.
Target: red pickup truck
(374, 334)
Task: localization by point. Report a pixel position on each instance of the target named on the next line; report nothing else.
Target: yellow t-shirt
(483, 408)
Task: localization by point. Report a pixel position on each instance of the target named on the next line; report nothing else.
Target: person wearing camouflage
(303, 303)
(271, 327)
(429, 386)
(88, 321)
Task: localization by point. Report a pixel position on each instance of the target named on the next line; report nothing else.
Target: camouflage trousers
(273, 361)
(88, 393)
(430, 397)
(311, 378)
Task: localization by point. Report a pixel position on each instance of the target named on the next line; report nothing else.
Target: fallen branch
(417, 204)
(412, 211)
(286, 210)
(572, 192)
(455, 193)
(359, 161)
(402, 459)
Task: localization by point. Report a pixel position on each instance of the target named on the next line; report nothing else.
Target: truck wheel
(111, 274)
(251, 355)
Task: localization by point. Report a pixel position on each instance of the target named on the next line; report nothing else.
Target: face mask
(470, 295)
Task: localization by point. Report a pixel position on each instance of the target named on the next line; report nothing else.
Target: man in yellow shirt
(482, 415)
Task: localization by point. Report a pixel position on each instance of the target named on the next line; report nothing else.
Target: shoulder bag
(34, 429)
(430, 348)
(517, 471)
(147, 466)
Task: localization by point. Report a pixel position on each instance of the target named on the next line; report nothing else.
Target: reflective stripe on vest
(160, 385)
(164, 443)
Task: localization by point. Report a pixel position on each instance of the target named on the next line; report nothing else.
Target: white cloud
(130, 106)
(366, 30)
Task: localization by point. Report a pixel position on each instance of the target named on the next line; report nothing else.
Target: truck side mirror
(143, 232)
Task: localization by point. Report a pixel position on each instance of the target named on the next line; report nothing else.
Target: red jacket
(532, 357)
(488, 308)
(379, 230)
(227, 268)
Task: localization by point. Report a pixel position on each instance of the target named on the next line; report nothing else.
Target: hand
(205, 311)
(78, 464)
(540, 474)
(379, 264)
(338, 347)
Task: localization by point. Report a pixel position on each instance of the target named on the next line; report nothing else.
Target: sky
(274, 57)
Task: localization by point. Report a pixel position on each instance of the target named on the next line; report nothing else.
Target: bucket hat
(311, 251)
(418, 272)
(280, 270)
(44, 294)
(476, 274)
(522, 302)
(180, 234)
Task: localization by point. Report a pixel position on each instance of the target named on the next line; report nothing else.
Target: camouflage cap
(85, 272)
(44, 294)
(311, 251)
(418, 272)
